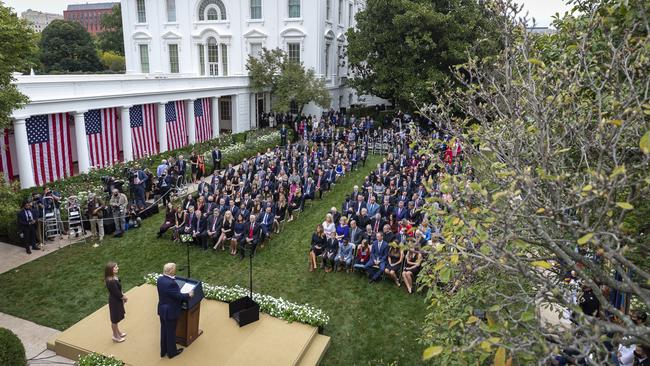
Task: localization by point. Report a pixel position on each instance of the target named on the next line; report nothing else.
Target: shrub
(96, 359)
(12, 351)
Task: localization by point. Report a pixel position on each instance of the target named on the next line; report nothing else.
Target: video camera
(111, 183)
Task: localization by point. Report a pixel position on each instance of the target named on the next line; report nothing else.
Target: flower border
(276, 307)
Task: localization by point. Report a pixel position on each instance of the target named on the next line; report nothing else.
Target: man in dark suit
(199, 230)
(283, 135)
(400, 211)
(170, 300)
(216, 158)
(250, 237)
(27, 225)
(265, 221)
(378, 257)
(181, 167)
(214, 226)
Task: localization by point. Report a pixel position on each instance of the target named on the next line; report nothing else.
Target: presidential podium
(187, 327)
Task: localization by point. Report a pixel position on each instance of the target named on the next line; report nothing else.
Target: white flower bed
(278, 308)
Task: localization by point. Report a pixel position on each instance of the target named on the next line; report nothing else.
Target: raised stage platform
(269, 341)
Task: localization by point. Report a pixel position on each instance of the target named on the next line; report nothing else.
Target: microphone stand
(188, 260)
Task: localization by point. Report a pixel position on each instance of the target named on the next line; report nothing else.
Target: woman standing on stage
(116, 300)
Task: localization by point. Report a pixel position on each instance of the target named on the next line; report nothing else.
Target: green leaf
(431, 352)
(615, 122)
(587, 188)
(537, 62)
(542, 264)
(644, 144)
(585, 238)
(472, 319)
(445, 275)
(527, 316)
(624, 205)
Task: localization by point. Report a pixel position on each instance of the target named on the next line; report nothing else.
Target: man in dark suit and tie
(214, 226)
(251, 236)
(378, 257)
(199, 230)
(265, 221)
(170, 300)
(27, 225)
(216, 159)
(181, 167)
(400, 211)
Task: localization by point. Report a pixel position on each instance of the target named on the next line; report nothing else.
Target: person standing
(27, 226)
(283, 135)
(216, 159)
(96, 216)
(116, 300)
(118, 204)
(170, 300)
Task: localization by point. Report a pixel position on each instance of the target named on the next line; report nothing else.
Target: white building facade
(185, 50)
(38, 19)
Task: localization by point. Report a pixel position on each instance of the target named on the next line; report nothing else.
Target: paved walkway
(13, 256)
(34, 338)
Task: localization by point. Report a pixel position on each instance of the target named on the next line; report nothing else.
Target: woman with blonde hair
(116, 300)
(328, 225)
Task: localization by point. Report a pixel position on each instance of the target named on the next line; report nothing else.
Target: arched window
(212, 10)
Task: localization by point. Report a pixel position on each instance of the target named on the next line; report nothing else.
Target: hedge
(235, 148)
(12, 351)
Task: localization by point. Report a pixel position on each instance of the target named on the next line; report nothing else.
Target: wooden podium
(187, 327)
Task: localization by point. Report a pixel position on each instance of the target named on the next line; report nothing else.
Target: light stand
(245, 310)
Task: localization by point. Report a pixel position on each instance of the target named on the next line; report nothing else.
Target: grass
(369, 325)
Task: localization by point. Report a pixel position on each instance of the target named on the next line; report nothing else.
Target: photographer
(118, 204)
(52, 202)
(95, 212)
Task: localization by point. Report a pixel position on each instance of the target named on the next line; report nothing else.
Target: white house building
(184, 51)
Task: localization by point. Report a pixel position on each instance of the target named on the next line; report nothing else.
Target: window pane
(340, 11)
(144, 58)
(173, 58)
(294, 8)
(142, 13)
(256, 9)
(350, 15)
(171, 10)
(256, 49)
(327, 61)
(328, 9)
(213, 14)
(294, 51)
(225, 111)
(202, 59)
(224, 59)
(213, 57)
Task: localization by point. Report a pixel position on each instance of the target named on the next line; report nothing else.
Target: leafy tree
(112, 38)
(17, 48)
(400, 48)
(557, 130)
(67, 47)
(112, 61)
(287, 80)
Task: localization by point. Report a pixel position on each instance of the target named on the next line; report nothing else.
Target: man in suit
(356, 234)
(265, 221)
(372, 206)
(359, 204)
(400, 211)
(250, 237)
(283, 135)
(181, 167)
(214, 226)
(27, 225)
(377, 223)
(199, 230)
(308, 191)
(378, 257)
(170, 300)
(216, 159)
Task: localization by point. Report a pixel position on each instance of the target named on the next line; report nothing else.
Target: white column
(127, 145)
(215, 116)
(252, 104)
(191, 122)
(83, 155)
(162, 128)
(23, 158)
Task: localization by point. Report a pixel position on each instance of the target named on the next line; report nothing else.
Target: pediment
(255, 33)
(292, 32)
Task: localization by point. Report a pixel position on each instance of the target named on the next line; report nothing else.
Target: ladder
(75, 221)
(50, 219)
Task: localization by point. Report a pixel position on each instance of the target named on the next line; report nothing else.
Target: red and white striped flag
(175, 122)
(143, 130)
(101, 131)
(48, 136)
(6, 169)
(203, 119)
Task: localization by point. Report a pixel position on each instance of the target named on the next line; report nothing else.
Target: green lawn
(369, 325)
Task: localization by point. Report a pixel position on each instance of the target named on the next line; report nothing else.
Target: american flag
(175, 118)
(143, 130)
(101, 130)
(48, 136)
(203, 119)
(6, 168)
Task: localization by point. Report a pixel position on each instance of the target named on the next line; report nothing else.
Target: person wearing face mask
(118, 203)
(641, 355)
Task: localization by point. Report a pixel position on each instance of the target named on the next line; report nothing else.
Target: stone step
(315, 352)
